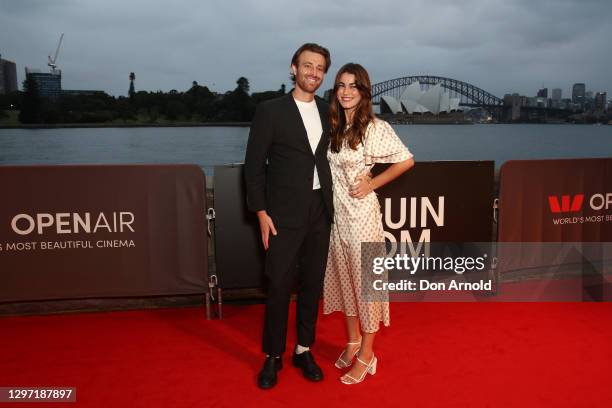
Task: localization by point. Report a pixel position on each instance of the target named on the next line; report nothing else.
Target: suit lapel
(324, 115)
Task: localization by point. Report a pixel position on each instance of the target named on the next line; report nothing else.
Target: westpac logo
(570, 204)
(566, 204)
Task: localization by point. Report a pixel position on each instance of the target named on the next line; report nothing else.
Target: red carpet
(433, 355)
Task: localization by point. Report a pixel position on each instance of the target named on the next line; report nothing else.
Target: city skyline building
(601, 101)
(8, 76)
(578, 93)
(543, 93)
(49, 83)
(556, 97)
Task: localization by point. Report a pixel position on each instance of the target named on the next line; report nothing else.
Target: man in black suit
(293, 202)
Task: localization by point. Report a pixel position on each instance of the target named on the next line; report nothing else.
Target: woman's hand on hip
(362, 186)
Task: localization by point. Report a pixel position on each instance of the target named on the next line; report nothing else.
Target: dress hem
(386, 324)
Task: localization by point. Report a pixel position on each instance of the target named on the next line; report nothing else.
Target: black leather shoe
(306, 362)
(267, 376)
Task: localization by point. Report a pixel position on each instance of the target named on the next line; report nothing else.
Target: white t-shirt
(314, 129)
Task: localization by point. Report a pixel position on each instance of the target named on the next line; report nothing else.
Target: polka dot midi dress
(356, 221)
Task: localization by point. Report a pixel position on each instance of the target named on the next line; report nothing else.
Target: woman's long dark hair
(363, 111)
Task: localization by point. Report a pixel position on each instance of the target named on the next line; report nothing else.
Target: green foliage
(11, 101)
(153, 113)
(243, 85)
(175, 110)
(97, 116)
(31, 111)
(263, 96)
(50, 112)
(198, 103)
(11, 117)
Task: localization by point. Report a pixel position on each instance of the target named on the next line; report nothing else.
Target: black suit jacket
(284, 189)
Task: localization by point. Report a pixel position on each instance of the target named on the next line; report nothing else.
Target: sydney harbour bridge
(469, 94)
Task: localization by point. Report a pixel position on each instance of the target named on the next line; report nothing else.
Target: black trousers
(296, 253)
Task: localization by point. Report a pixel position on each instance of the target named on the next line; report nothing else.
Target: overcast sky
(502, 46)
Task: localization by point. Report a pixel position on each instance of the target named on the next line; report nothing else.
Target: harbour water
(211, 146)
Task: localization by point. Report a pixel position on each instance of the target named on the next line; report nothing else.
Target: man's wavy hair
(363, 111)
(313, 48)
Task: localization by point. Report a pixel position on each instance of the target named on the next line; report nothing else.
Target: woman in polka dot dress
(358, 141)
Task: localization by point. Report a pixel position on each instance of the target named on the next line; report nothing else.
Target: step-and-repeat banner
(448, 201)
(101, 231)
(555, 226)
(556, 201)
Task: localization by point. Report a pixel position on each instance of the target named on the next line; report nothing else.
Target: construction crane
(51, 62)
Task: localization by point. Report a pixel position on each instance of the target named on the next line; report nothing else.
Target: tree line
(197, 104)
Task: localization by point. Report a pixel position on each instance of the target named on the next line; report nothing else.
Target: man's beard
(309, 86)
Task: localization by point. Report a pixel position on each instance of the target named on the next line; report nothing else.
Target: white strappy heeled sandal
(340, 363)
(370, 369)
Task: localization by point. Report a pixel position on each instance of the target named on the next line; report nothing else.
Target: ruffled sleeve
(382, 145)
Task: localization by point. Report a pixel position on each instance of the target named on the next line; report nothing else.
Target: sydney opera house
(413, 100)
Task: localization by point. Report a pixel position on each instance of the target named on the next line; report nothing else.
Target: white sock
(300, 349)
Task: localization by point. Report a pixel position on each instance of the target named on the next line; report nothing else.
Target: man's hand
(265, 225)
